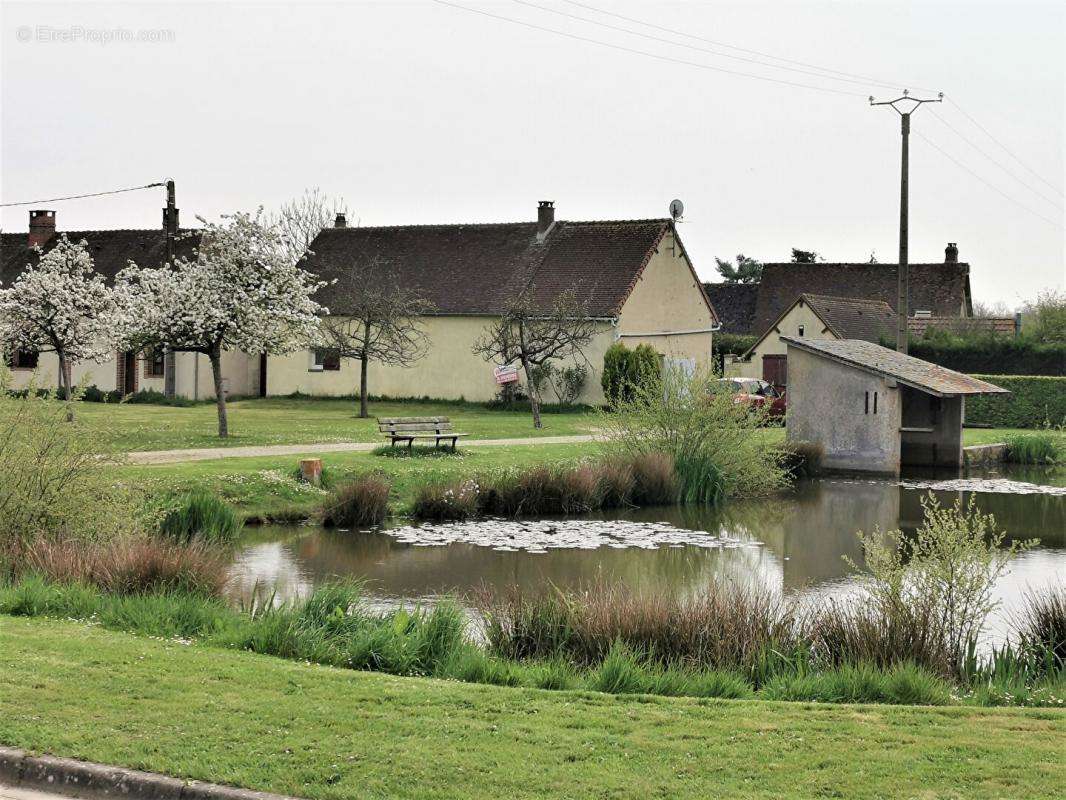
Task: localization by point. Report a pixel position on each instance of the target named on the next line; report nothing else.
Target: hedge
(1035, 401)
(999, 354)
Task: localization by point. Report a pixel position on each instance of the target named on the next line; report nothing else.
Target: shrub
(358, 503)
(626, 371)
(938, 582)
(1042, 628)
(714, 443)
(200, 516)
(94, 394)
(1034, 448)
(156, 398)
(569, 382)
(55, 484)
(1035, 401)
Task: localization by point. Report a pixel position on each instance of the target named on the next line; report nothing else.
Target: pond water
(794, 543)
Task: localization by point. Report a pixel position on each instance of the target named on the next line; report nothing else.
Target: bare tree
(531, 334)
(378, 320)
(300, 220)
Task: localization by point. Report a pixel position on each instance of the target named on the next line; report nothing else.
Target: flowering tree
(59, 305)
(241, 291)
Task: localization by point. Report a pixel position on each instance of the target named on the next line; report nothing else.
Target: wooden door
(775, 371)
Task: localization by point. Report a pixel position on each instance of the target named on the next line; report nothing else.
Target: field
(255, 721)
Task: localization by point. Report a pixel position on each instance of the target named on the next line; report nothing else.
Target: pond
(795, 543)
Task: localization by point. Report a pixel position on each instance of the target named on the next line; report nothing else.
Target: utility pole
(170, 228)
(903, 269)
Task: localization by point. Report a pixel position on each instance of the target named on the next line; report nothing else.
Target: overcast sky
(420, 112)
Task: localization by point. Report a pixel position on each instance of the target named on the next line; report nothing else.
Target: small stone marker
(311, 470)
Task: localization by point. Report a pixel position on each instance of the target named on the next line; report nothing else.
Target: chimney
(42, 227)
(340, 222)
(545, 218)
(951, 253)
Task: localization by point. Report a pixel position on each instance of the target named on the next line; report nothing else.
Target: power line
(80, 196)
(962, 166)
(866, 79)
(860, 82)
(645, 53)
(958, 133)
(1004, 147)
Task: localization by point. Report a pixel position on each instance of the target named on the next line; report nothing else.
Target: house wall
(193, 379)
(771, 344)
(668, 297)
(450, 370)
(89, 373)
(827, 405)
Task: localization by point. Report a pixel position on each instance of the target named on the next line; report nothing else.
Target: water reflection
(805, 536)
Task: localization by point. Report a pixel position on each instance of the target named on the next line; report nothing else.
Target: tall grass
(358, 503)
(1034, 448)
(732, 658)
(200, 516)
(644, 479)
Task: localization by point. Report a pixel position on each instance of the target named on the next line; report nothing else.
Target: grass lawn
(128, 427)
(317, 732)
(266, 487)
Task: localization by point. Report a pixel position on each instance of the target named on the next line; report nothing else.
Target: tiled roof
(734, 303)
(906, 369)
(111, 250)
(942, 288)
(853, 318)
(999, 326)
(476, 269)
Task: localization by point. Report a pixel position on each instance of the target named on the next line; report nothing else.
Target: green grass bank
(322, 733)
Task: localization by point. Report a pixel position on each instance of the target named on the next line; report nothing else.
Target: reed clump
(360, 502)
(200, 516)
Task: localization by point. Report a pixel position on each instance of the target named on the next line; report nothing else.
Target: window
(325, 360)
(866, 410)
(875, 402)
(154, 363)
(23, 359)
(800, 330)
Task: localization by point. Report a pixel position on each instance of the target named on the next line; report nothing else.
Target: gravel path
(211, 453)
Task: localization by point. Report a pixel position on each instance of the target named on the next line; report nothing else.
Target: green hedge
(1036, 400)
(999, 354)
(730, 344)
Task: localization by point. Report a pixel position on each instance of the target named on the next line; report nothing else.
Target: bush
(714, 442)
(200, 516)
(94, 394)
(358, 503)
(1034, 448)
(157, 398)
(55, 483)
(626, 371)
(1035, 401)
(443, 502)
(801, 459)
(935, 587)
(735, 344)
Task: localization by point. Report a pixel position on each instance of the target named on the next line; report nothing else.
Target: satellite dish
(677, 209)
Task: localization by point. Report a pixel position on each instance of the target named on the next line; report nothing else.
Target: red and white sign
(506, 374)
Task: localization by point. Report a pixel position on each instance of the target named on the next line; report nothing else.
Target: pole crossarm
(906, 98)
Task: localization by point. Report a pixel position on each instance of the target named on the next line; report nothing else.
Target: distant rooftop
(908, 370)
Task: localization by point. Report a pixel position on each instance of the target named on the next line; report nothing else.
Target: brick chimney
(545, 218)
(951, 253)
(42, 227)
(340, 221)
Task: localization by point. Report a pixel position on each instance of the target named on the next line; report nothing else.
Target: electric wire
(80, 196)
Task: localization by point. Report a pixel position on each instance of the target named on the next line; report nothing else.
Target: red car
(757, 393)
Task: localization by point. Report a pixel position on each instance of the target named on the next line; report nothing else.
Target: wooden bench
(407, 429)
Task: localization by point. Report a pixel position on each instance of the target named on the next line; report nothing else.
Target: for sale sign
(506, 374)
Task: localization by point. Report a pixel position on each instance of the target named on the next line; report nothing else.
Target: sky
(424, 112)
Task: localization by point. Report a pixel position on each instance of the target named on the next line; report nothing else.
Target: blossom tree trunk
(215, 356)
(364, 362)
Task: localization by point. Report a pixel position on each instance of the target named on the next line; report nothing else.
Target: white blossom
(59, 305)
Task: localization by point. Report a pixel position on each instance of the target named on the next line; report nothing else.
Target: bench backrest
(414, 424)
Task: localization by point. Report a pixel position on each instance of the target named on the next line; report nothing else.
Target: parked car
(757, 393)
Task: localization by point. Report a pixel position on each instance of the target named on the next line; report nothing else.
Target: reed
(358, 503)
(200, 516)
(1034, 448)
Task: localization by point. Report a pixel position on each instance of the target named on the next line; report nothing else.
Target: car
(757, 393)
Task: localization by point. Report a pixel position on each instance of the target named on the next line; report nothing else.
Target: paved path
(211, 453)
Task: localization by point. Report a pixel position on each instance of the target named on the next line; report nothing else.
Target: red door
(775, 371)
